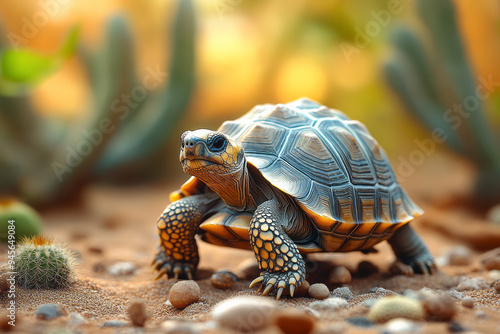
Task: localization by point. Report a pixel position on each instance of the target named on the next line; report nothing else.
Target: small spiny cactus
(43, 263)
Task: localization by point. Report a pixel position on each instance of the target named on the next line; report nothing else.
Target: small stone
(99, 267)
(459, 256)
(342, 292)
(399, 326)
(329, 304)
(455, 327)
(493, 275)
(385, 292)
(48, 311)
(410, 294)
(468, 302)
(302, 290)
(114, 323)
(184, 293)
(368, 303)
(335, 328)
(223, 279)
(496, 286)
(399, 268)
(312, 313)
(318, 291)
(244, 314)
(340, 275)
(293, 321)
(481, 314)
(493, 214)
(248, 269)
(393, 307)
(491, 260)
(456, 294)
(440, 308)
(95, 249)
(121, 269)
(76, 319)
(179, 327)
(360, 322)
(137, 313)
(475, 283)
(366, 268)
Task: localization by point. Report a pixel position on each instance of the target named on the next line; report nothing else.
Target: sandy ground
(116, 224)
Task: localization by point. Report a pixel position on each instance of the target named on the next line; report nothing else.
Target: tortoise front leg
(276, 253)
(178, 253)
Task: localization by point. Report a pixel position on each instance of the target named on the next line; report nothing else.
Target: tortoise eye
(218, 144)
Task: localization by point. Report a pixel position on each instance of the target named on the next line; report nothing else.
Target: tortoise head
(206, 152)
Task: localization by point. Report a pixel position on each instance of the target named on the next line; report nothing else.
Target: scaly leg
(411, 250)
(276, 253)
(178, 253)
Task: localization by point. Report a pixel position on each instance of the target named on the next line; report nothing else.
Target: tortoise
(285, 180)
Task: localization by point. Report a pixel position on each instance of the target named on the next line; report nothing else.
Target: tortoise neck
(233, 188)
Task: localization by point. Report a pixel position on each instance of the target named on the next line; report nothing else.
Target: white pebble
(329, 304)
(122, 269)
(400, 326)
(244, 314)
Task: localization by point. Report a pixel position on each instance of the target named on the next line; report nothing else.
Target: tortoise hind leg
(411, 250)
(277, 254)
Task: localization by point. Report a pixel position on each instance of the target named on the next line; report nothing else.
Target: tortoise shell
(332, 167)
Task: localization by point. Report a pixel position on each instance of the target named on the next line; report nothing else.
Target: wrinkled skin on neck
(224, 170)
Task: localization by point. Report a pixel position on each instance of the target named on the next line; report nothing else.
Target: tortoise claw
(292, 290)
(267, 289)
(257, 280)
(189, 275)
(160, 274)
(278, 294)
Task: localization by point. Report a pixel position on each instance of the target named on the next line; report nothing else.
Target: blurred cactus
(45, 161)
(43, 263)
(27, 222)
(438, 87)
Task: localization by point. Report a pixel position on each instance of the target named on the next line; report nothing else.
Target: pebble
(122, 269)
(481, 314)
(223, 279)
(368, 303)
(400, 325)
(342, 292)
(440, 308)
(319, 291)
(456, 327)
(456, 294)
(496, 285)
(76, 319)
(244, 314)
(475, 283)
(179, 327)
(114, 323)
(340, 275)
(137, 313)
(468, 302)
(459, 256)
(493, 275)
(366, 268)
(302, 290)
(293, 321)
(399, 268)
(360, 322)
(48, 311)
(385, 292)
(184, 293)
(393, 307)
(493, 214)
(491, 260)
(329, 304)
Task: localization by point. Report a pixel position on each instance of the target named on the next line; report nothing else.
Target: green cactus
(33, 158)
(43, 263)
(27, 222)
(430, 84)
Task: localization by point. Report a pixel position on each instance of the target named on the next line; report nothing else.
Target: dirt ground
(118, 224)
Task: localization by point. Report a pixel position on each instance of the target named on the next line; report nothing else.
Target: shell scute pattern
(330, 164)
